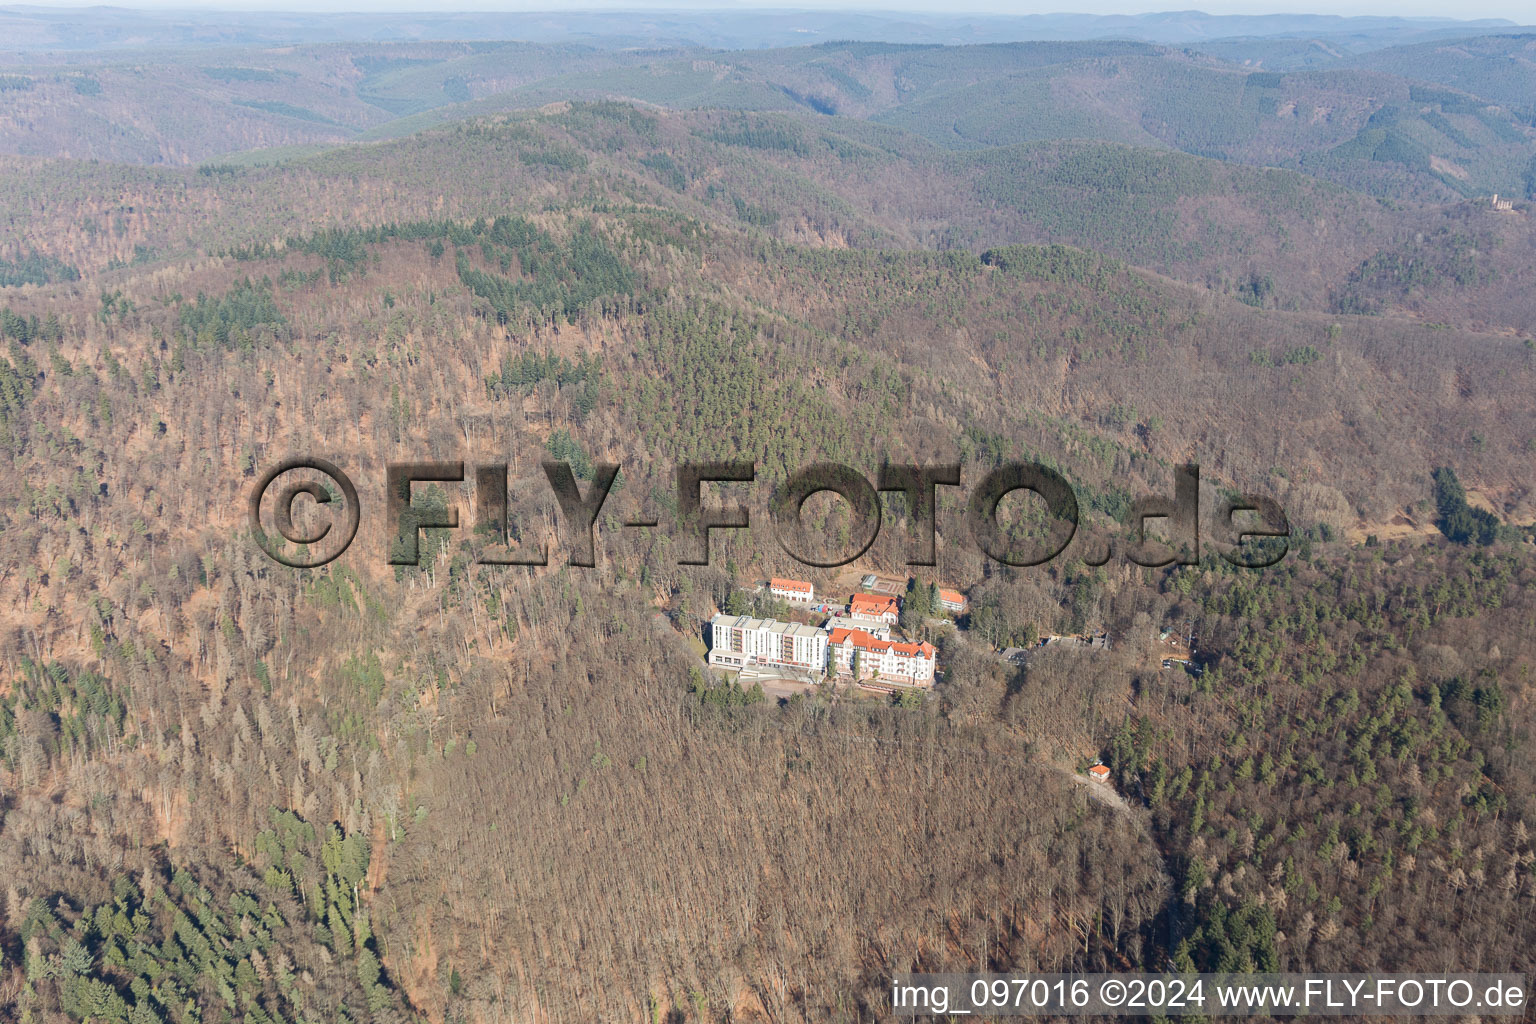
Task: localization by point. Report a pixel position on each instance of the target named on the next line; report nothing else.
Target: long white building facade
(739, 640)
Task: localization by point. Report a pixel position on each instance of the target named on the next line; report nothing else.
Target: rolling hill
(1275, 238)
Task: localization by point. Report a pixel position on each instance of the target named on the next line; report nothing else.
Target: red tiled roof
(867, 642)
(1100, 770)
(861, 603)
(952, 596)
(782, 584)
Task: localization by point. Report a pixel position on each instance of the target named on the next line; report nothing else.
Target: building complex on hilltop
(737, 641)
(856, 641)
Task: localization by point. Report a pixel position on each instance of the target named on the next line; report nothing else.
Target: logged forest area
(470, 792)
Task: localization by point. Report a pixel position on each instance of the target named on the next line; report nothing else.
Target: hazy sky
(1521, 12)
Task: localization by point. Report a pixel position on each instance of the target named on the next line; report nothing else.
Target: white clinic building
(740, 640)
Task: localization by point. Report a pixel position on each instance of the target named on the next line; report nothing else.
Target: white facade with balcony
(740, 640)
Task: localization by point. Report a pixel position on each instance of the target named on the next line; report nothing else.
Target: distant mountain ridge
(31, 28)
(1435, 121)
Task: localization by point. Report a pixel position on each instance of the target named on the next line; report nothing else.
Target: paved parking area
(777, 681)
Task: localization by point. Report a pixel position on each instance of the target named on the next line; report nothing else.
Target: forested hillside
(1274, 239)
(473, 792)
